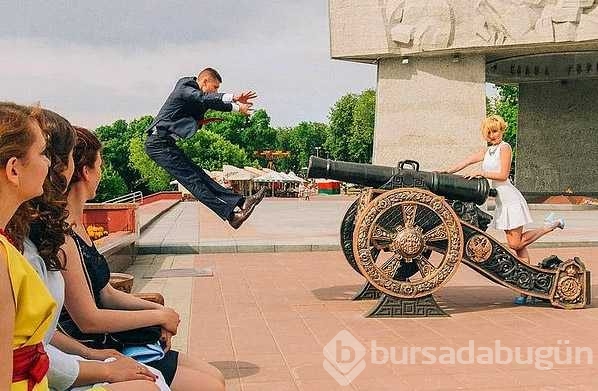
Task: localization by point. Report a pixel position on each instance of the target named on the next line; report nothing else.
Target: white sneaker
(552, 220)
(549, 218)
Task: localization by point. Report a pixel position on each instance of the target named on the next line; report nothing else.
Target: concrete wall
(558, 129)
(429, 110)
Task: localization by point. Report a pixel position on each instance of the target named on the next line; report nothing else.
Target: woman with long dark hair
(94, 306)
(39, 228)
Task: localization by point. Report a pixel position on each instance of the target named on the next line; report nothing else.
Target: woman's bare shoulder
(505, 146)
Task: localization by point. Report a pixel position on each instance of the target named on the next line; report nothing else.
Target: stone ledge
(111, 243)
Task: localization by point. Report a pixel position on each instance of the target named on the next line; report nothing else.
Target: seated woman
(27, 306)
(71, 363)
(94, 305)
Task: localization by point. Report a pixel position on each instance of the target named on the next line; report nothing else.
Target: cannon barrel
(451, 186)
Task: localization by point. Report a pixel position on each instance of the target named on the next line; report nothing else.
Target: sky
(99, 61)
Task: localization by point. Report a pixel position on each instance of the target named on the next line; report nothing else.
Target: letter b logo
(344, 357)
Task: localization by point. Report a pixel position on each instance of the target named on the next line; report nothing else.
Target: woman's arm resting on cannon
(472, 159)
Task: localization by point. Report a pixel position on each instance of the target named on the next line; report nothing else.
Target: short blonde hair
(493, 123)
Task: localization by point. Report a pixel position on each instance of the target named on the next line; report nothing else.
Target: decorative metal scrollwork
(570, 284)
(478, 248)
(408, 223)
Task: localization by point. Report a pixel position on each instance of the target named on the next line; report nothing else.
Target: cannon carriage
(409, 230)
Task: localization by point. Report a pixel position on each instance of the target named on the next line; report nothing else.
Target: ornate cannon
(408, 236)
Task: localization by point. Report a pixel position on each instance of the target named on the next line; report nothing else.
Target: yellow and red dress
(34, 309)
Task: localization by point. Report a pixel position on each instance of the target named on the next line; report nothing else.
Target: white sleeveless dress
(511, 208)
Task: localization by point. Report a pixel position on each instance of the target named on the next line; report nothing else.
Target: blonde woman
(512, 212)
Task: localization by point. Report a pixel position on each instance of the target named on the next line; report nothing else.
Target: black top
(97, 267)
(99, 276)
(185, 107)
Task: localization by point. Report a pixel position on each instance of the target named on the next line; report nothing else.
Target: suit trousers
(163, 150)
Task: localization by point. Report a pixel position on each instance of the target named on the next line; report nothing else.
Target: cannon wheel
(408, 224)
(348, 227)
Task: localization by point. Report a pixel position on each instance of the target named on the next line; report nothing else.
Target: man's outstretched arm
(220, 101)
(212, 101)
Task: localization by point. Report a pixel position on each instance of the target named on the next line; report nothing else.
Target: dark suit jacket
(185, 107)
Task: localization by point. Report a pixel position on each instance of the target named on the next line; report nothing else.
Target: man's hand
(245, 97)
(165, 340)
(245, 109)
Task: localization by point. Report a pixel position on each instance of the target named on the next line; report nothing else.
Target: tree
(340, 124)
(506, 104)
(252, 134)
(116, 139)
(210, 151)
(301, 141)
(111, 185)
(351, 132)
(361, 136)
(230, 128)
(258, 136)
(154, 177)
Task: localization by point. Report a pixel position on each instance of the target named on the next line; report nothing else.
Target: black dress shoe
(255, 199)
(238, 218)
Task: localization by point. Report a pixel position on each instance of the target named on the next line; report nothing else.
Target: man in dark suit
(180, 117)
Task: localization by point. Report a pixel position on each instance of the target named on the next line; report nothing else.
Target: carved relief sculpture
(424, 25)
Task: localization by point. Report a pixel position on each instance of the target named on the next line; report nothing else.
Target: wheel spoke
(424, 266)
(435, 234)
(391, 265)
(381, 237)
(409, 211)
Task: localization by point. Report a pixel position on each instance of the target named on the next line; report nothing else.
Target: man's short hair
(210, 72)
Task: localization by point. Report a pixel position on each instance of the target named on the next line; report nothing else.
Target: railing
(135, 197)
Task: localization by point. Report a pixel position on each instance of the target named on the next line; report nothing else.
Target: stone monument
(434, 58)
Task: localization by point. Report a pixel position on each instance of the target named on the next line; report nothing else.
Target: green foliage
(210, 151)
(351, 132)
(506, 104)
(362, 129)
(116, 139)
(111, 185)
(252, 134)
(155, 177)
(235, 140)
(230, 128)
(340, 123)
(301, 141)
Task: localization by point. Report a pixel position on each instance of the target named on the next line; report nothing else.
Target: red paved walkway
(265, 318)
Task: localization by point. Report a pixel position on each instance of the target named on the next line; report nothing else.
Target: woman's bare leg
(531, 236)
(194, 374)
(514, 241)
(519, 240)
(523, 254)
(133, 385)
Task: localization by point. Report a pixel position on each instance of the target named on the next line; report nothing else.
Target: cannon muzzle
(454, 187)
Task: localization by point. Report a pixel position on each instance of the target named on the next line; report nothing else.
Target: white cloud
(99, 62)
(92, 85)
